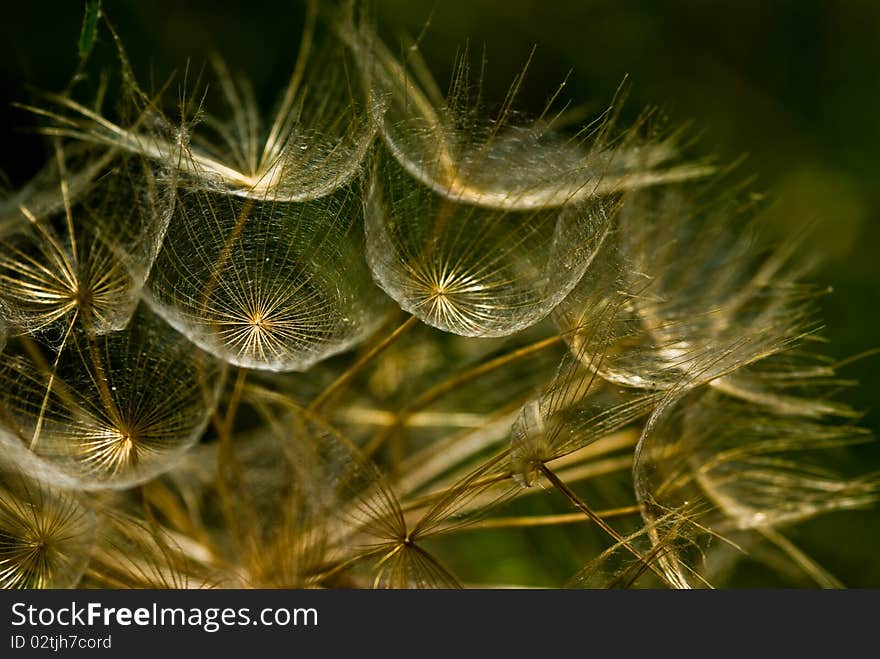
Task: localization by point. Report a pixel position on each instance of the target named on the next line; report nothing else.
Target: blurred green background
(791, 85)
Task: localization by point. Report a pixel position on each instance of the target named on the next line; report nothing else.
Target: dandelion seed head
(576, 310)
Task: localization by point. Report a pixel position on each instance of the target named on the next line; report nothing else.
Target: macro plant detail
(96, 414)
(332, 344)
(47, 535)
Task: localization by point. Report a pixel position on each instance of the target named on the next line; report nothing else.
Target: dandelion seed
(365, 527)
(266, 285)
(90, 265)
(472, 271)
(448, 147)
(574, 410)
(114, 411)
(713, 317)
(315, 143)
(45, 536)
(44, 283)
(749, 468)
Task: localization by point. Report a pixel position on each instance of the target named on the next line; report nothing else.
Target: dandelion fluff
(575, 409)
(452, 149)
(48, 279)
(46, 536)
(724, 314)
(88, 263)
(470, 270)
(266, 285)
(744, 468)
(111, 411)
(757, 468)
(316, 141)
(319, 136)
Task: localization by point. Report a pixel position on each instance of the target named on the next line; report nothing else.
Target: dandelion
(449, 146)
(54, 275)
(46, 536)
(268, 285)
(720, 316)
(480, 230)
(470, 270)
(112, 411)
(320, 133)
(445, 326)
(749, 469)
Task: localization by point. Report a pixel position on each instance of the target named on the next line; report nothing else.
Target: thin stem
(577, 473)
(811, 568)
(234, 402)
(426, 465)
(570, 494)
(364, 360)
(656, 552)
(528, 521)
(590, 468)
(39, 426)
(281, 126)
(65, 198)
(440, 390)
(433, 497)
(226, 253)
(472, 374)
(228, 465)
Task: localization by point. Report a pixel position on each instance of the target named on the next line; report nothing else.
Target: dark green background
(792, 85)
